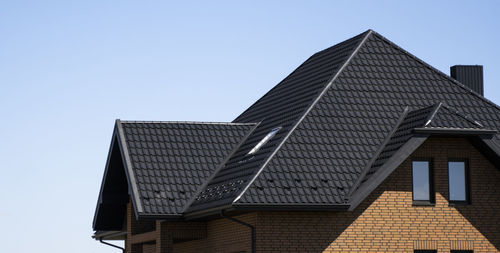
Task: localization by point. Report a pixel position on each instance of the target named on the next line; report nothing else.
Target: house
(364, 147)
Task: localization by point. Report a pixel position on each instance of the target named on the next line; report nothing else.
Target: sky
(68, 69)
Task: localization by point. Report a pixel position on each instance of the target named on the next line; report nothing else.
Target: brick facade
(386, 221)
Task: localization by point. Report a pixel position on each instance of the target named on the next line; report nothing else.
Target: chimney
(470, 76)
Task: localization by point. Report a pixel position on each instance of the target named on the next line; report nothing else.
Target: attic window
(423, 190)
(264, 140)
(458, 181)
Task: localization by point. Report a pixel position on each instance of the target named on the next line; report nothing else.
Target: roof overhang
(291, 207)
(236, 208)
(110, 235)
(454, 131)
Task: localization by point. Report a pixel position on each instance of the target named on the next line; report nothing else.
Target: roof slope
(346, 118)
(171, 160)
(437, 116)
(281, 107)
(326, 154)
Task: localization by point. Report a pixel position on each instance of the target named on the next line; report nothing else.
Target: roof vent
(470, 76)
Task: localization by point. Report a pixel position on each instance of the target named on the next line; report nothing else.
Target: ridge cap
(457, 113)
(185, 122)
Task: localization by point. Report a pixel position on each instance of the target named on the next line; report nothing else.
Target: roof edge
(291, 207)
(449, 78)
(430, 117)
(454, 131)
(169, 217)
(206, 212)
(327, 87)
(386, 169)
(109, 235)
(134, 192)
(187, 122)
(291, 73)
(462, 115)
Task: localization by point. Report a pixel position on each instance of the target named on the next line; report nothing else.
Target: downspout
(112, 245)
(252, 228)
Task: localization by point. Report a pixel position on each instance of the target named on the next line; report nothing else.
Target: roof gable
(166, 162)
(447, 117)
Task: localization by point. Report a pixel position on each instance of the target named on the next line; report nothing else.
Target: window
(423, 190)
(264, 140)
(424, 251)
(458, 181)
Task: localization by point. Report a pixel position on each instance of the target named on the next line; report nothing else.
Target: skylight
(264, 140)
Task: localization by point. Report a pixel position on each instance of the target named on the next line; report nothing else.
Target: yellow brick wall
(388, 222)
(385, 222)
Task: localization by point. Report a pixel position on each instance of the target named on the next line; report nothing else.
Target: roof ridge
(319, 96)
(458, 113)
(291, 73)
(429, 118)
(447, 77)
(185, 122)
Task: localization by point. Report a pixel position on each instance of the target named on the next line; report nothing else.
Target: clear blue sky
(68, 69)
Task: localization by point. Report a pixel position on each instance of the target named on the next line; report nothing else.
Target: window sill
(458, 203)
(423, 203)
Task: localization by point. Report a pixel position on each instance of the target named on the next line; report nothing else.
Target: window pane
(456, 173)
(421, 189)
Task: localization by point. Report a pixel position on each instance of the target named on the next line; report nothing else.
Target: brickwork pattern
(387, 221)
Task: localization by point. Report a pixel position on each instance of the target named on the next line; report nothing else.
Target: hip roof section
(328, 151)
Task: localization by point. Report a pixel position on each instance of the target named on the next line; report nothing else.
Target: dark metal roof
(168, 161)
(283, 106)
(348, 117)
(428, 120)
(327, 152)
(413, 130)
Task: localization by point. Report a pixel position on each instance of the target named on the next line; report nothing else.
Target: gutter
(252, 228)
(109, 235)
(112, 245)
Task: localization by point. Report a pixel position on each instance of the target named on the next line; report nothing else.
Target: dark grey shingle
(166, 156)
(364, 103)
(282, 107)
